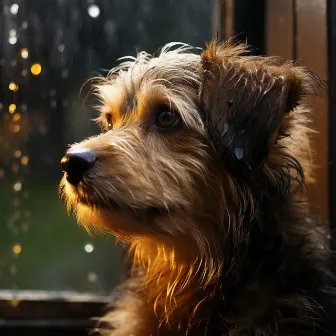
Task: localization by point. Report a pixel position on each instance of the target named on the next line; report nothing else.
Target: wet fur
(215, 213)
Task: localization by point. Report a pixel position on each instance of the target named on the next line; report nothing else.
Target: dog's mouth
(88, 196)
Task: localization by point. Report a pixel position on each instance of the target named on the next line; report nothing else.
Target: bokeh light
(17, 186)
(17, 249)
(16, 117)
(24, 53)
(36, 69)
(14, 9)
(88, 248)
(12, 108)
(12, 39)
(94, 11)
(24, 160)
(17, 154)
(13, 87)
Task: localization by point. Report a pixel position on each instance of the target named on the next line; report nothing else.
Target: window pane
(48, 50)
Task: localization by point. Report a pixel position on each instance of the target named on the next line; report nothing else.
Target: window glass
(48, 50)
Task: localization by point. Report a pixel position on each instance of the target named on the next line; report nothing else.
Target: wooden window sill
(49, 312)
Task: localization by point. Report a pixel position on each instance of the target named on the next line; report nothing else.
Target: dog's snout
(75, 163)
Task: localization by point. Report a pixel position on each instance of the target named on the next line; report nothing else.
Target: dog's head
(191, 145)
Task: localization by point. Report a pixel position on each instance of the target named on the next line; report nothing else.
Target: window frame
(56, 312)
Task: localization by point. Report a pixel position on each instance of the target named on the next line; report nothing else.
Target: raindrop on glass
(14, 9)
(12, 39)
(94, 11)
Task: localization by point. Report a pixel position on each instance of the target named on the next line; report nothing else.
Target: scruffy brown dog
(201, 168)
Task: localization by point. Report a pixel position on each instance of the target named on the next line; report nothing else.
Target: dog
(201, 169)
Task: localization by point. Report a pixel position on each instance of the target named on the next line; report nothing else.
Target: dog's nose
(75, 163)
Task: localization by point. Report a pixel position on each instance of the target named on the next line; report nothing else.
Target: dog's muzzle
(76, 162)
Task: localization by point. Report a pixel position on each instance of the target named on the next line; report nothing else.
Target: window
(47, 51)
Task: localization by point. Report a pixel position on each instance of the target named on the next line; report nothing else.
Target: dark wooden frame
(242, 19)
(280, 29)
(331, 28)
(49, 313)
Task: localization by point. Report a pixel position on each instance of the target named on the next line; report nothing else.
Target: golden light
(17, 186)
(12, 108)
(36, 69)
(25, 160)
(16, 116)
(13, 87)
(17, 154)
(24, 53)
(16, 128)
(17, 249)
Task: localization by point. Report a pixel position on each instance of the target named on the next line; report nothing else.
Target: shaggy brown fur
(201, 168)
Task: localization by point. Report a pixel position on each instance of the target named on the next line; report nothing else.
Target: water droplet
(12, 32)
(17, 249)
(13, 87)
(24, 160)
(61, 48)
(36, 69)
(17, 153)
(17, 186)
(16, 116)
(12, 39)
(226, 128)
(12, 108)
(239, 153)
(24, 53)
(14, 9)
(94, 11)
(16, 128)
(88, 248)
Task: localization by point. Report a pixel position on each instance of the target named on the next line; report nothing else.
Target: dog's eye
(109, 124)
(167, 119)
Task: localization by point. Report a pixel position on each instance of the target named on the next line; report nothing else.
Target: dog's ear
(245, 98)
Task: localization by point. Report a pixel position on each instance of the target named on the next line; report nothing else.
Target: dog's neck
(170, 282)
(181, 285)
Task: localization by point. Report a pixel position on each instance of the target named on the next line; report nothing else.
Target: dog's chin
(124, 223)
(111, 215)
